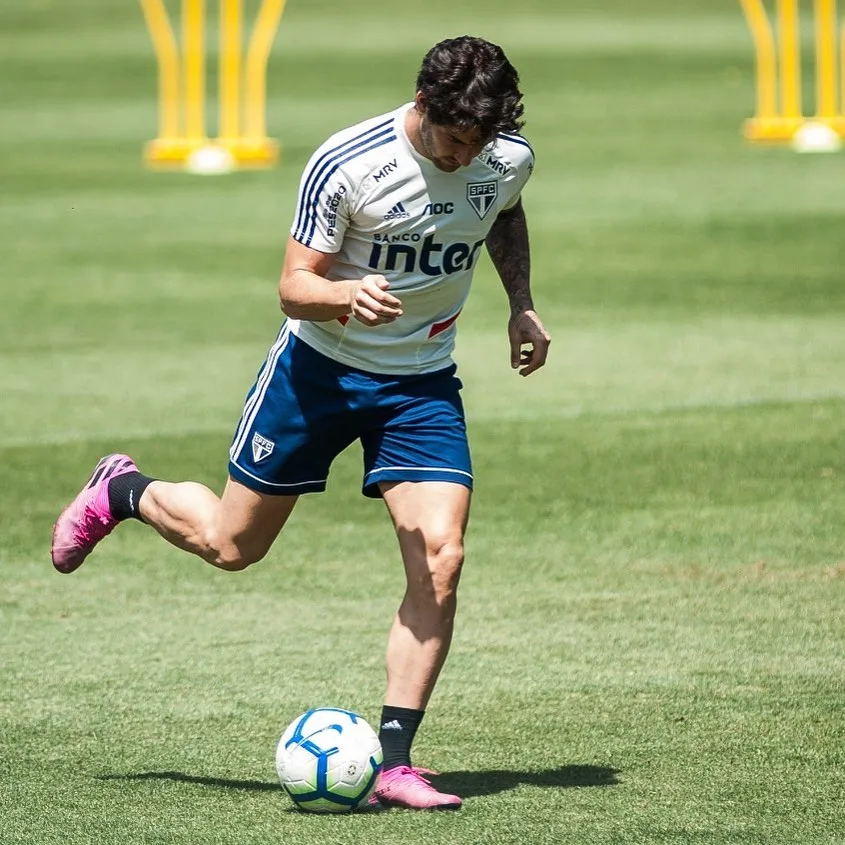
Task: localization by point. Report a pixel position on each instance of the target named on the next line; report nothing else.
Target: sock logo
(392, 726)
(261, 447)
(132, 501)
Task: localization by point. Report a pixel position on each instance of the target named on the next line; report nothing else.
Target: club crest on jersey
(481, 196)
(261, 447)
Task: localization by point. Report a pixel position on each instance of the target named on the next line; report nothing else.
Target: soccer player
(391, 217)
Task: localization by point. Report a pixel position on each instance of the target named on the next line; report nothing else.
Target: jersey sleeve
(523, 158)
(322, 206)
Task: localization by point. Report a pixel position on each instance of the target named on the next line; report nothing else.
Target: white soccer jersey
(371, 199)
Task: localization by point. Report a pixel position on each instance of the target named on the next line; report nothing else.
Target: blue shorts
(305, 409)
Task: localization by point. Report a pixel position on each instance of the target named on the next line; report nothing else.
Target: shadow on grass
(469, 784)
(466, 784)
(224, 783)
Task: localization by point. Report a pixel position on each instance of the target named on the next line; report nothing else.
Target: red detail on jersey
(343, 320)
(441, 327)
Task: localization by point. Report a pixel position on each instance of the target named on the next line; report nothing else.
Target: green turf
(651, 639)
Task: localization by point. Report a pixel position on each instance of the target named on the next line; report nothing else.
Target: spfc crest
(481, 196)
(261, 447)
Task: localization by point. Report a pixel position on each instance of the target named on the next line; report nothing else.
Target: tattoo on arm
(507, 244)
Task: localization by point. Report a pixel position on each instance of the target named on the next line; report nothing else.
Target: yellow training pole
(231, 37)
(193, 53)
(826, 74)
(167, 55)
(258, 54)
(240, 139)
(790, 59)
(841, 115)
(764, 46)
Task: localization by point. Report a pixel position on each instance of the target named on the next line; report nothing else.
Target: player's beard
(427, 143)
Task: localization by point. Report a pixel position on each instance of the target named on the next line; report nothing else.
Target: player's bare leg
(430, 520)
(230, 532)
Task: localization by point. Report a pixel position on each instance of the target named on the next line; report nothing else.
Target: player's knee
(445, 560)
(233, 556)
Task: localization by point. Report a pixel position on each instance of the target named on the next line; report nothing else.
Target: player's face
(449, 147)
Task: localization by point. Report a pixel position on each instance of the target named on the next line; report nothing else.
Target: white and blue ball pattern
(328, 760)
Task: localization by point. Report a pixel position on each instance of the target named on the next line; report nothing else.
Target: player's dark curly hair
(469, 83)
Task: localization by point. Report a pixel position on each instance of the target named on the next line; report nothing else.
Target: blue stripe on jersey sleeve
(307, 199)
(516, 139)
(332, 167)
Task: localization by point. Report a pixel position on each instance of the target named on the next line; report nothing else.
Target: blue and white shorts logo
(261, 447)
(481, 196)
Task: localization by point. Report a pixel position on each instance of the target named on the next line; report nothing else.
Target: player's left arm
(507, 243)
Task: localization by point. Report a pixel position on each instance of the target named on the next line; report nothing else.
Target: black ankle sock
(124, 494)
(398, 727)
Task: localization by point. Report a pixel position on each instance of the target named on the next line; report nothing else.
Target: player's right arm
(305, 292)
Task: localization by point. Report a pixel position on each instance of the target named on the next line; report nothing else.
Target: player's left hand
(529, 342)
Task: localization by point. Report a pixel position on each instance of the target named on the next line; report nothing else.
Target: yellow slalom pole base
(772, 130)
(804, 134)
(215, 156)
(253, 153)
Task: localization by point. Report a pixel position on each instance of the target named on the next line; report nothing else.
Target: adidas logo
(392, 726)
(397, 212)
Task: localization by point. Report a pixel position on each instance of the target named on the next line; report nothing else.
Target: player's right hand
(371, 304)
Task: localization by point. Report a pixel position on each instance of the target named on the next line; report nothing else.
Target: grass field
(651, 640)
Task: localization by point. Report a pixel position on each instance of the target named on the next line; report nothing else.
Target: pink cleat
(88, 518)
(406, 787)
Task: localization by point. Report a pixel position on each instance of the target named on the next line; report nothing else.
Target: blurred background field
(650, 644)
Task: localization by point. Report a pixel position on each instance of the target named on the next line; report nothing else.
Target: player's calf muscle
(186, 514)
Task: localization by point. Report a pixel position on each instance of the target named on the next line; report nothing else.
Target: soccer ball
(328, 760)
